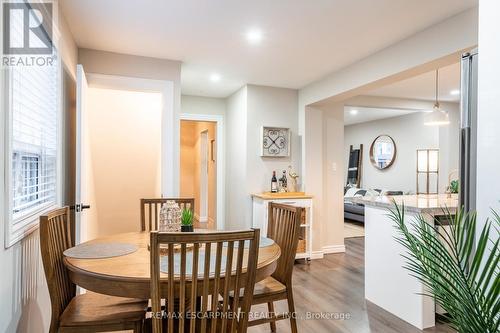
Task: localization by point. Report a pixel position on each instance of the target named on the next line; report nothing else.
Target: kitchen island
(387, 283)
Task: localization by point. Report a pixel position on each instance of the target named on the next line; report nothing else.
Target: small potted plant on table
(187, 220)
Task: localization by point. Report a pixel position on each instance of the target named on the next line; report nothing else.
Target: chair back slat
(217, 281)
(182, 286)
(225, 303)
(206, 281)
(237, 282)
(55, 238)
(194, 285)
(150, 210)
(284, 228)
(220, 263)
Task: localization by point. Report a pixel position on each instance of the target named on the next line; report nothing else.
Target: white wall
(332, 227)
(203, 105)
(24, 299)
(448, 135)
(488, 160)
(124, 129)
(325, 173)
(314, 165)
(409, 134)
(449, 146)
(236, 159)
(268, 106)
(248, 110)
(163, 70)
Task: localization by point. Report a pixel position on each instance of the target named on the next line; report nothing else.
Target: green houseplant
(187, 220)
(460, 272)
(454, 186)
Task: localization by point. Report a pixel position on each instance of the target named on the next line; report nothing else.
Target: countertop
(283, 195)
(422, 203)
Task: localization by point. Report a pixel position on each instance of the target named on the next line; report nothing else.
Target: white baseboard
(333, 249)
(317, 255)
(327, 250)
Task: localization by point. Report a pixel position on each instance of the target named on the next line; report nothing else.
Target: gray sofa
(355, 211)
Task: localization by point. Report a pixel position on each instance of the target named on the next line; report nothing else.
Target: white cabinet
(260, 204)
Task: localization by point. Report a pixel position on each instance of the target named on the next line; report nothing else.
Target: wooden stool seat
(269, 288)
(90, 309)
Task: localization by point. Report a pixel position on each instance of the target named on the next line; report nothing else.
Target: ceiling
(302, 40)
(423, 86)
(365, 114)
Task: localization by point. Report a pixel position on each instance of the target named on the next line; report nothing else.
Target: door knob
(79, 207)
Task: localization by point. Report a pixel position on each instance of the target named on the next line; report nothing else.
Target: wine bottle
(284, 182)
(274, 183)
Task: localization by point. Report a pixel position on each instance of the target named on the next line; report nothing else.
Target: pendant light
(438, 116)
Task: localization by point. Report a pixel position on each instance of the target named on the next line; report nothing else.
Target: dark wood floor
(335, 284)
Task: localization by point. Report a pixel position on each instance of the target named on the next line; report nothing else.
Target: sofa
(355, 211)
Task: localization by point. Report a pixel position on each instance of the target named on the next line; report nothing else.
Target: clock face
(275, 142)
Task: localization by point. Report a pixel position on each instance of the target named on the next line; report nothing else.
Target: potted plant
(459, 267)
(454, 186)
(187, 220)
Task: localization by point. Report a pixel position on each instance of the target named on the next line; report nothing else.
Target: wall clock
(275, 142)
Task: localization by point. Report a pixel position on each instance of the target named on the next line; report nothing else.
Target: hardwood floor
(335, 284)
(353, 229)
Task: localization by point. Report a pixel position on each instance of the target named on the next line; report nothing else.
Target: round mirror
(383, 152)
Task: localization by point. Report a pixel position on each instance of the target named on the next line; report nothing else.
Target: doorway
(124, 160)
(392, 124)
(198, 169)
(124, 145)
(204, 175)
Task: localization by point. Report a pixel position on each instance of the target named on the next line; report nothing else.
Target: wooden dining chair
(203, 266)
(150, 210)
(284, 228)
(89, 312)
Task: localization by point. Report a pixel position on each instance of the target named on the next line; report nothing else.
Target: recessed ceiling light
(215, 77)
(353, 112)
(254, 36)
(455, 92)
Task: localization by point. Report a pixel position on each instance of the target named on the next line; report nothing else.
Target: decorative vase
(170, 217)
(187, 228)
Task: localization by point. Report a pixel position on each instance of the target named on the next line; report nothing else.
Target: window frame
(25, 159)
(16, 230)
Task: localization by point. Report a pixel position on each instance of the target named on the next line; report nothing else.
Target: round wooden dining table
(129, 275)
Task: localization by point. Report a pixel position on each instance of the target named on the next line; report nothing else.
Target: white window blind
(34, 117)
(34, 105)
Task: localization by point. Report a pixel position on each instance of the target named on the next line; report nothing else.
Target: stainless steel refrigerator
(468, 131)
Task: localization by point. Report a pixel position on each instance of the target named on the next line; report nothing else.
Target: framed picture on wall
(275, 142)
